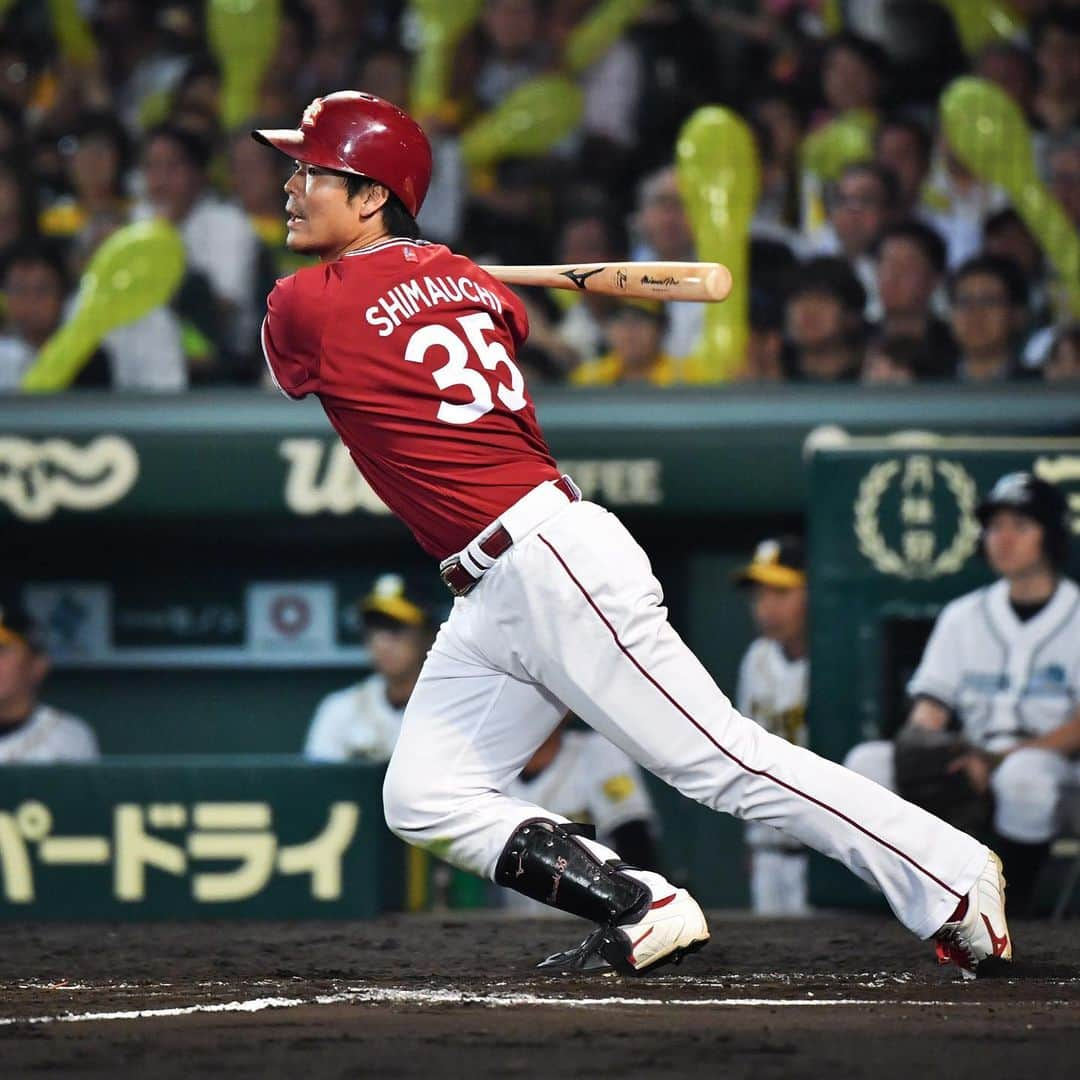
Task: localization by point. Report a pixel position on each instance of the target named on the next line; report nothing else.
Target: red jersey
(410, 348)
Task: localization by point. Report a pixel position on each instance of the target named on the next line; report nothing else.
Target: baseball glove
(922, 761)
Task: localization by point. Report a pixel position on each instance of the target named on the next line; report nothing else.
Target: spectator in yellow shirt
(635, 330)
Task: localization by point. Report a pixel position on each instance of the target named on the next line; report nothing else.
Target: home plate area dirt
(441, 996)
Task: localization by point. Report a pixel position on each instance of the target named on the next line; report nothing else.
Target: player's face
(21, 671)
(321, 218)
(1014, 544)
(780, 614)
(396, 651)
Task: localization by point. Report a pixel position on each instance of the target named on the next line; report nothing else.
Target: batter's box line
(389, 996)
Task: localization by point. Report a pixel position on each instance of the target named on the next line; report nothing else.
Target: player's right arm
(292, 331)
(935, 686)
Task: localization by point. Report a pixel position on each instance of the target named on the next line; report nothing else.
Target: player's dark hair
(1005, 270)
(398, 220)
(904, 122)
(192, 146)
(885, 177)
(36, 252)
(1067, 20)
(923, 236)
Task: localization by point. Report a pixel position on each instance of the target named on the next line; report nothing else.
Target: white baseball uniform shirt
(355, 724)
(772, 690)
(48, 736)
(1007, 680)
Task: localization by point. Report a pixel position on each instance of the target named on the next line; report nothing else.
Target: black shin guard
(544, 861)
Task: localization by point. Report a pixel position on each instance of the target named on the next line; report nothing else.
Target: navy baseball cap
(779, 562)
(18, 627)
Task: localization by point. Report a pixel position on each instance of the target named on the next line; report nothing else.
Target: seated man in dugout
(1002, 668)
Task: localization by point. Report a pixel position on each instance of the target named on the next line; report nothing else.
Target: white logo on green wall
(915, 517)
(39, 477)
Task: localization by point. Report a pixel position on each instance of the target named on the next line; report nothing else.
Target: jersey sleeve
(617, 792)
(938, 673)
(292, 335)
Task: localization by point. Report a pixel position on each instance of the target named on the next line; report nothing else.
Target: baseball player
(1005, 659)
(773, 684)
(363, 721)
(410, 349)
(30, 731)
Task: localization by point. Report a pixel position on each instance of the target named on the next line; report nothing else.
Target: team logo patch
(915, 517)
(311, 113)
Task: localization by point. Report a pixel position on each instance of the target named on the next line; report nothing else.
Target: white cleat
(670, 928)
(978, 930)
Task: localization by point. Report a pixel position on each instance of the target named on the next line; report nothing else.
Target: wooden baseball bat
(700, 281)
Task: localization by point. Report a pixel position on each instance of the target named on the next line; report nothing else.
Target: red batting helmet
(361, 134)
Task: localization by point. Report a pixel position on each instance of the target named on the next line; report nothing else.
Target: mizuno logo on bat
(579, 277)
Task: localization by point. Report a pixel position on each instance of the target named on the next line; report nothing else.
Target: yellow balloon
(595, 34)
(529, 122)
(717, 166)
(243, 35)
(981, 22)
(136, 270)
(441, 27)
(989, 134)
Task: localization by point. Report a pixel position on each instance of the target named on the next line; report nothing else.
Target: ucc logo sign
(39, 477)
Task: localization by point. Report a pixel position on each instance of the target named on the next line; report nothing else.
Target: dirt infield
(456, 997)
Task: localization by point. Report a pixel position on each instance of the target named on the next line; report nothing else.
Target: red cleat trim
(1000, 943)
(662, 903)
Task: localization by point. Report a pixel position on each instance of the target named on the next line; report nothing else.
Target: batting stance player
(410, 350)
(1006, 660)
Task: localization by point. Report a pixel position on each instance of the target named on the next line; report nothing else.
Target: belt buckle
(446, 572)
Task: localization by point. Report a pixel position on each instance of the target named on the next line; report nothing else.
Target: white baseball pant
(1027, 787)
(571, 616)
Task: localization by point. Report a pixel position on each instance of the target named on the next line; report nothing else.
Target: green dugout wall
(197, 558)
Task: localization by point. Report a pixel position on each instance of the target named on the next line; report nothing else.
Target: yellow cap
(387, 597)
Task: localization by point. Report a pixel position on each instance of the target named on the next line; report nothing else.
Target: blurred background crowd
(902, 266)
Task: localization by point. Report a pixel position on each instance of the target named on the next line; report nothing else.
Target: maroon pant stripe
(727, 753)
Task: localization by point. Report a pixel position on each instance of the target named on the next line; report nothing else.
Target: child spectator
(635, 329)
(824, 321)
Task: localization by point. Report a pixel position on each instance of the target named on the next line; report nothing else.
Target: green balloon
(595, 34)
(136, 270)
(243, 35)
(840, 142)
(528, 123)
(989, 134)
(717, 166)
(981, 22)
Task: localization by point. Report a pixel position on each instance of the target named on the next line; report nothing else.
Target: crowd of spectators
(906, 267)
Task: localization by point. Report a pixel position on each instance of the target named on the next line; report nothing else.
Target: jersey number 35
(456, 370)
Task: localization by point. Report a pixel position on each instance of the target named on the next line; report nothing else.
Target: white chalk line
(398, 996)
